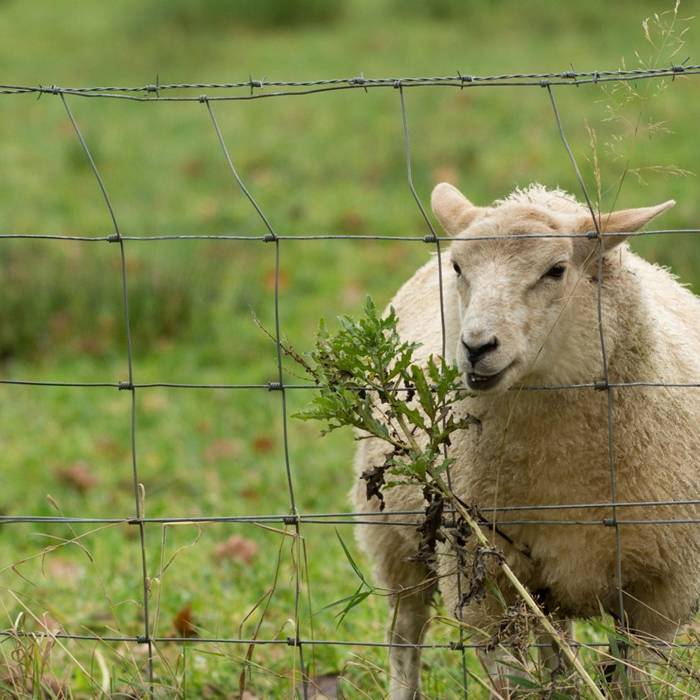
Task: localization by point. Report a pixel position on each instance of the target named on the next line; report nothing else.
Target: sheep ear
(452, 209)
(622, 221)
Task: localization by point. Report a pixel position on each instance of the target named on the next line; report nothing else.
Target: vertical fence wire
(595, 217)
(431, 237)
(138, 488)
(294, 519)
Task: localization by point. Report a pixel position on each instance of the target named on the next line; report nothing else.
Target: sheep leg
(408, 624)
(548, 652)
(496, 671)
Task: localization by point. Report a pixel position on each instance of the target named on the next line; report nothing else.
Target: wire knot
(544, 83)
(601, 385)
(609, 522)
(456, 646)
(143, 640)
(465, 79)
(151, 88)
(359, 80)
(269, 238)
(203, 99)
(114, 238)
(126, 386)
(290, 519)
(274, 386)
(397, 84)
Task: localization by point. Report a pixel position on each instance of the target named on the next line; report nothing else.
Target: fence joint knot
(126, 386)
(609, 522)
(254, 84)
(545, 83)
(293, 641)
(114, 238)
(456, 646)
(464, 79)
(203, 99)
(143, 640)
(601, 385)
(360, 80)
(274, 386)
(290, 519)
(430, 238)
(269, 238)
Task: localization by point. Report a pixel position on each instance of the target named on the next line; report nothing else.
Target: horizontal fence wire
(152, 92)
(253, 89)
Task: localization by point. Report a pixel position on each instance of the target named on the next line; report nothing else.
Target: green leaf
(523, 682)
(425, 396)
(348, 556)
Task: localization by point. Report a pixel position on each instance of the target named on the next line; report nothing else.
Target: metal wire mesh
(260, 89)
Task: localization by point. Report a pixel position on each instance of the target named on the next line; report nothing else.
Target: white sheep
(521, 312)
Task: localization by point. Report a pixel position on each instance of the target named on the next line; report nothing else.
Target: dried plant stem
(558, 637)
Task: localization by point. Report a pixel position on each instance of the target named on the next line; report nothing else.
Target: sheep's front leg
(550, 657)
(407, 626)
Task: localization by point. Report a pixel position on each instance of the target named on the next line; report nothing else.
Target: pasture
(327, 163)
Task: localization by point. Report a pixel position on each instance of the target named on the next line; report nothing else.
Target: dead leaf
(66, 570)
(353, 293)
(250, 494)
(263, 444)
(17, 684)
(78, 476)
(446, 173)
(184, 623)
(237, 548)
(110, 446)
(153, 402)
(325, 687)
(204, 426)
(222, 449)
(351, 221)
(270, 280)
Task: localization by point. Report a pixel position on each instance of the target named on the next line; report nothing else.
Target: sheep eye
(456, 268)
(555, 272)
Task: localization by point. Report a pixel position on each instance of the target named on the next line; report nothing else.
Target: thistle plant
(368, 379)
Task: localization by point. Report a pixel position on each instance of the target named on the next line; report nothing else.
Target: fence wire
(253, 89)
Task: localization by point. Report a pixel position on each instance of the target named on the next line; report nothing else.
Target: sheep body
(551, 448)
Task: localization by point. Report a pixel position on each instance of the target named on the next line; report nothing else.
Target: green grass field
(331, 163)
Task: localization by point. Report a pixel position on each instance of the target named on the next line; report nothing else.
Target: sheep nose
(476, 352)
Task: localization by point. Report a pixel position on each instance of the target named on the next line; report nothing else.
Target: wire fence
(254, 89)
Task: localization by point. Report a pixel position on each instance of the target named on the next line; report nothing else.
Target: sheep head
(523, 298)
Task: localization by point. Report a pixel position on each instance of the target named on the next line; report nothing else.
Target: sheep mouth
(482, 382)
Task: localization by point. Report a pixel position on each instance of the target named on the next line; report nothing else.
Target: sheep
(522, 311)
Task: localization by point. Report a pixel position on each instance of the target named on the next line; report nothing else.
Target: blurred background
(327, 163)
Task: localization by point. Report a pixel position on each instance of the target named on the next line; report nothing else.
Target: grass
(331, 163)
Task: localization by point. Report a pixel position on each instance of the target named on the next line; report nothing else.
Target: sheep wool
(522, 311)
